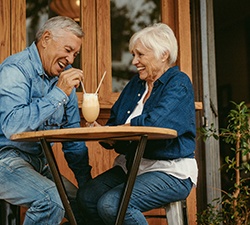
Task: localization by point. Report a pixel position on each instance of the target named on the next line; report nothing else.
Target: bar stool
(175, 213)
(9, 214)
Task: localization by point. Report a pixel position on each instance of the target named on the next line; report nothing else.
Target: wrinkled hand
(70, 79)
(108, 144)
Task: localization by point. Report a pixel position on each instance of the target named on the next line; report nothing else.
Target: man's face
(58, 51)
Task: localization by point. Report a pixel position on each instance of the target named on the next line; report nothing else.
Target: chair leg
(174, 213)
(9, 214)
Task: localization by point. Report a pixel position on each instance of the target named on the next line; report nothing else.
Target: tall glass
(90, 107)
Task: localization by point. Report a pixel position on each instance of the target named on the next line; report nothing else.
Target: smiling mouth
(62, 65)
(140, 68)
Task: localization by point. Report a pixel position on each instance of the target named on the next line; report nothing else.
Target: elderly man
(38, 92)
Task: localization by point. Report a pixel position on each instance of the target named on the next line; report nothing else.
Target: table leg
(132, 173)
(58, 180)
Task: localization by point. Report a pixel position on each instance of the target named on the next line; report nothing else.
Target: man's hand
(70, 79)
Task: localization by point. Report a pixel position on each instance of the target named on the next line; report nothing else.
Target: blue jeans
(26, 181)
(100, 198)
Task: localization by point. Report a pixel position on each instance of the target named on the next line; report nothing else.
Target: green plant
(234, 206)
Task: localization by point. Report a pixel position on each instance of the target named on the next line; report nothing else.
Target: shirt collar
(166, 76)
(35, 58)
(163, 78)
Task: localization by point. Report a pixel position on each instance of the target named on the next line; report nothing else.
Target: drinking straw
(83, 87)
(100, 82)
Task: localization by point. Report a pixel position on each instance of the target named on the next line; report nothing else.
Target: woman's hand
(94, 124)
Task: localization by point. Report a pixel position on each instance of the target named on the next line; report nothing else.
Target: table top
(97, 133)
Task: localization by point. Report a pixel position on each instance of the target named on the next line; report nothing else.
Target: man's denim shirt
(30, 101)
(170, 105)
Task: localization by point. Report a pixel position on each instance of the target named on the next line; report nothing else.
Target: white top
(181, 168)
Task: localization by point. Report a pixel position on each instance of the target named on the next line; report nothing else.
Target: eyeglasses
(60, 125)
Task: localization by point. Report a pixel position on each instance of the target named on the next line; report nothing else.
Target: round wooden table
(140, 133)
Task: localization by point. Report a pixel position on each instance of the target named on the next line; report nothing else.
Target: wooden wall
(13, 27)
(96, 59)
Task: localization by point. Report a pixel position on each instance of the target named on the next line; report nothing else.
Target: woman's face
(149, 67)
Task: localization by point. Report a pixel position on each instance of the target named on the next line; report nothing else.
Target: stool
(9, 214)
(175, 213)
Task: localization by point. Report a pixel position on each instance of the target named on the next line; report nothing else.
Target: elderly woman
(160, 96)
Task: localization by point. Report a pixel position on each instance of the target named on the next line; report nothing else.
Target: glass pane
(37, 12)
(127, 17)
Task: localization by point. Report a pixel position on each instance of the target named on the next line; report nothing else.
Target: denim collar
(164, 78)
(35, 58)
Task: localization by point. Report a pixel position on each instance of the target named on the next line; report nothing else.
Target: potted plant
(234, 206)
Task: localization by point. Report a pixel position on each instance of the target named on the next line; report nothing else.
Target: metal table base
(128, 187)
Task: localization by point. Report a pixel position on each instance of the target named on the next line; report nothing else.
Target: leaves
(235, 205)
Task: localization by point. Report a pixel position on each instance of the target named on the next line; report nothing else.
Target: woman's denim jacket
(170, 105)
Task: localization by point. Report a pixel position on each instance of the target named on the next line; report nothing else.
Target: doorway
(232, 50)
